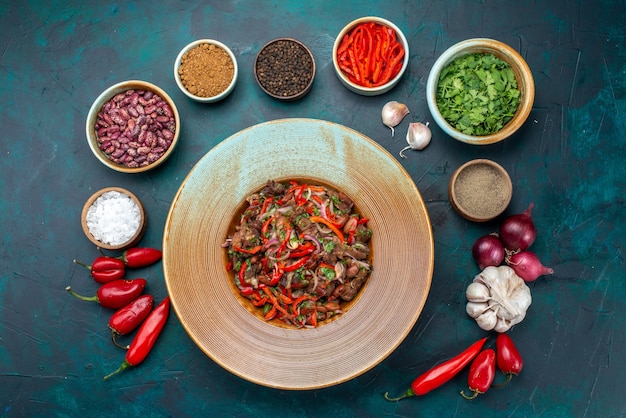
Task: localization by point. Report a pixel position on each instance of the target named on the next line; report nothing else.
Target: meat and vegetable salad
(299, 251)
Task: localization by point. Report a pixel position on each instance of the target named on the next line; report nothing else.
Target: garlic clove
(477, 292)
(392, 114)
(418, 137)
(475, 309)
(502, 325)
(487, 320)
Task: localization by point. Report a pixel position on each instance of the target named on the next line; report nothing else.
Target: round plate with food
(298, 254)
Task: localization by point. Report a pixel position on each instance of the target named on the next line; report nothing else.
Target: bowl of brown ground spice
(480, 190)
(206, 70)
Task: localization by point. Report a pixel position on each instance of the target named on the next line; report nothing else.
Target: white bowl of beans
(133, 126)
(206, 70)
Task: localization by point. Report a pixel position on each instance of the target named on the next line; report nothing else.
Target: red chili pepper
(140, 257)
(105, 269)
(115, 294)
(146, 337)
(481, 374)
(126, 319)
(509, 360)
(441, 373)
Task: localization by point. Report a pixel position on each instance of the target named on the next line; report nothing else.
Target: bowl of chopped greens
(480, 91)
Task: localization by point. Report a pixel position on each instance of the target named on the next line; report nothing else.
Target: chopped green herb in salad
(478, 94)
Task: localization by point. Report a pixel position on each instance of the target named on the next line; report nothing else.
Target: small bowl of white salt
(114, 219)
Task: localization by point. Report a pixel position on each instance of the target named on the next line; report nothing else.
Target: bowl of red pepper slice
(370, 55)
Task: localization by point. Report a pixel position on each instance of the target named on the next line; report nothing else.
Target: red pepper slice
(345, 43)
(146, 337)
(241, 276)
(481, 374)
(276, 275)
(296, 265)
(253, 250)
(271, 313)
(302, 251)
(355, 67)
(266, 203)
(319, 219)
(265, 228)
(283, 244)
(441, 373)
(275, 302)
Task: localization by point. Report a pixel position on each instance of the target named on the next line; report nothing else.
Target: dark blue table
(55, 59)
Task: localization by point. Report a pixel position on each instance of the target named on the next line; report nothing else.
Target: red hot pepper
(441, 373)
(115, 294)
(508, 358)
(146, 337)
(481, 374)
(105, 269)
(140, 257)
(129, 317)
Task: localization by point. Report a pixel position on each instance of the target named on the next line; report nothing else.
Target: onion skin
(488, 250)
(527, 265)
(517, 232)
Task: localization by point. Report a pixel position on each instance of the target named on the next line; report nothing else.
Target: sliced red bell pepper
(296, 265)
(303, 250)
(319, 219)
(253, 250)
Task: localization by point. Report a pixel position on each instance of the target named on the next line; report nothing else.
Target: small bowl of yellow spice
(206, 70)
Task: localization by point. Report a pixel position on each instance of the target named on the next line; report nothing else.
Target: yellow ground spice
(206, 70)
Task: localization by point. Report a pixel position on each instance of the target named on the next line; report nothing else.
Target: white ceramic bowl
(107, 95)
(132, 241)
(523, 75)
(370, 91)
(219, 96)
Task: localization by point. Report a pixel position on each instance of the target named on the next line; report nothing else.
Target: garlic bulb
(418, 137)
(393, 112)
(497, 298)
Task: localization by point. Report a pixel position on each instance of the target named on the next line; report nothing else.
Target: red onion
(488, 251)
(527, 265)
(518, 232)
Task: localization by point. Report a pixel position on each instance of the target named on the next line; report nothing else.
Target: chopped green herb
(478, 94)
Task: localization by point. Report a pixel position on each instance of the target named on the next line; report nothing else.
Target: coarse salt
(113, 218)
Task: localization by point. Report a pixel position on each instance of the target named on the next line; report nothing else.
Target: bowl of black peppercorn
(284, 68)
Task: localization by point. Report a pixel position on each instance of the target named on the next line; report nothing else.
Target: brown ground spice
(206, 70)
(480, 190)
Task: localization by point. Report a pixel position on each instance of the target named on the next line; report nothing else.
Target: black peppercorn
(284, 68)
